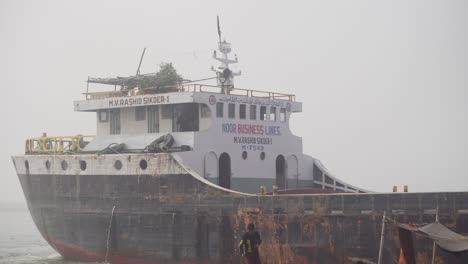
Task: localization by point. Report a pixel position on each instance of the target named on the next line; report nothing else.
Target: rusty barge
(174, 173)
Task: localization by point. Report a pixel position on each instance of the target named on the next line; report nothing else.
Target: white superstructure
(237, 138)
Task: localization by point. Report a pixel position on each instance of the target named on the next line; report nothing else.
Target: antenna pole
(141, 60)
(219, 28)
(224, 75)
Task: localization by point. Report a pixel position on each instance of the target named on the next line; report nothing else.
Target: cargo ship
(174, 174)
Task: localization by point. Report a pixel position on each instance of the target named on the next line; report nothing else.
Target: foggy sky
(383, 83)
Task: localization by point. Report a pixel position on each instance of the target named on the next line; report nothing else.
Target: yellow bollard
(405, 188)
(275, 189)
(395, 188)
(263, 188)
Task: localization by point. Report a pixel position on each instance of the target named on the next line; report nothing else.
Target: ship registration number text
(159, 99)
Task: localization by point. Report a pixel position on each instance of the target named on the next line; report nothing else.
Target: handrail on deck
(56, 145)
(192, 88)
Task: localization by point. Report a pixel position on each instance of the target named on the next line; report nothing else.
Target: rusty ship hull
(171, 215)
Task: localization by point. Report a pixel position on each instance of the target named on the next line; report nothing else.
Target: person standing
(248, 246)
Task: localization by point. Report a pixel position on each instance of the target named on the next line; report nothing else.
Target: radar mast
(225, 76)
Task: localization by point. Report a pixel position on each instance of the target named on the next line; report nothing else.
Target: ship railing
(203, 88)
(56, 145)
(236, 91)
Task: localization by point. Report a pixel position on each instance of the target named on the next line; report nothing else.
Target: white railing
(202, 88)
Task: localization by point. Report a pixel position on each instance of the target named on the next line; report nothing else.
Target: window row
(262, 113)
(176, 118)
(83, 165)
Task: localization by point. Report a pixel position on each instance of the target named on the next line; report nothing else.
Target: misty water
(20, 241)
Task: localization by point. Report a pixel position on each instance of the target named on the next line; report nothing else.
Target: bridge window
(140, 113)
(166, 111)
(253, 112)
(205, 111)
(186, 118)
(219, 109)
(153, 119)
(282, 115)
(242, 111)
(272, 113)
(102, 115)
(263, 114)
(231, 110)
(115, 121)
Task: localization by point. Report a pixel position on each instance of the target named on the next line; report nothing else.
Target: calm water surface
(20, 242)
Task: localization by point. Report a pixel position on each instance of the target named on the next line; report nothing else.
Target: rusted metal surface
(407, 247)
(170, 215)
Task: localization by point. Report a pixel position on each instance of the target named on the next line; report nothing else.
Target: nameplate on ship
(132, 101)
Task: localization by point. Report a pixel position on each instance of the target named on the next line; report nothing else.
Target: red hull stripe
(74, 252)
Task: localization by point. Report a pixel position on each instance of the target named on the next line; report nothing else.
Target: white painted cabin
(239, 139)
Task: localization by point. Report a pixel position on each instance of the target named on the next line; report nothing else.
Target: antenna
(224, 75)
(141, 60)
(219, 28)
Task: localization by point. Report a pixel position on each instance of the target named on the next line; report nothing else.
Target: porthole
(47, 164)
(64, 165)
(143, 164)
(262, 156)
(26, 164)
(83, 165)
(244, 155)
(118, 164)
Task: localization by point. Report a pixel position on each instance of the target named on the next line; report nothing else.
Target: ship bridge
(236, 138)
(136, 116)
